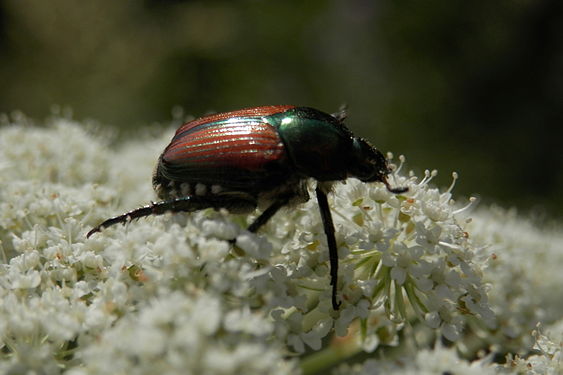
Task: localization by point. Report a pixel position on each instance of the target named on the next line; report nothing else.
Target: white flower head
(197, 293)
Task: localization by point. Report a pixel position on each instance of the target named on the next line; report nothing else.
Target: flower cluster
(523, 268)
(143, 299)
(547, 357)
(176, 294)
(438, 360)
(402, 258)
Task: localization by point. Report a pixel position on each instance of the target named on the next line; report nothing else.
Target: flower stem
(340, 349)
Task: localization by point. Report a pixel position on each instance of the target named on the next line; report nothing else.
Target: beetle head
(369, 165)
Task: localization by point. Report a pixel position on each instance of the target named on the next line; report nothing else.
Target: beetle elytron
(261, 157)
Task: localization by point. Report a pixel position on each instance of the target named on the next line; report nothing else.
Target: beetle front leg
(189, 203)
(331, 241)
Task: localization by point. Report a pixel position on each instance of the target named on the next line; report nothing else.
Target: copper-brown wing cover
(238, 149)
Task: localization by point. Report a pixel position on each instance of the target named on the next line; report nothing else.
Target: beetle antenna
(342, 113)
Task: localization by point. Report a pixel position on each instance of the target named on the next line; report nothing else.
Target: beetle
(261, 157)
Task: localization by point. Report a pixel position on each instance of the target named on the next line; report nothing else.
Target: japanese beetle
(261, 157)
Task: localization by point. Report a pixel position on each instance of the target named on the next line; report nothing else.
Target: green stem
(340, 349)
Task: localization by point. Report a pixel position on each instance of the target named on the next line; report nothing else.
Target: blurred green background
(469, 86)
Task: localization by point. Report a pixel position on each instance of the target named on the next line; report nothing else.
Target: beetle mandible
(261, 157)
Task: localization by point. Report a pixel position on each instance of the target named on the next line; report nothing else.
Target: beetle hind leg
(183, 204)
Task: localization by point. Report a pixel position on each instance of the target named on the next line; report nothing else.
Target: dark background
(469, 86)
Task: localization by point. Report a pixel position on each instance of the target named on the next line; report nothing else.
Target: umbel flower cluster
(427, 285)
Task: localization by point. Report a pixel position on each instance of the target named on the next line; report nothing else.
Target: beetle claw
(92, 231)
(395, 190)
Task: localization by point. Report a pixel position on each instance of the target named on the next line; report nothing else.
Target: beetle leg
(267, 215)
(331, 240)
(189, 203)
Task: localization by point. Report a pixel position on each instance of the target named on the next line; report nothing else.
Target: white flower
(547, 358)
(172, 294)
(523, 270)
(175, 334)
(29, 279)
(256, 247)
(425, 362)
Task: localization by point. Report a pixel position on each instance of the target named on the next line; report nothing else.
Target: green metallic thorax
(318, 144)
